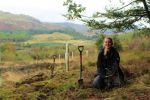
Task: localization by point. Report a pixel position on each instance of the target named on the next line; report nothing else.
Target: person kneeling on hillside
(109, 73)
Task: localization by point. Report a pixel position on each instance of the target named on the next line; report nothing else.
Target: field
(39, 78)
(57, 38)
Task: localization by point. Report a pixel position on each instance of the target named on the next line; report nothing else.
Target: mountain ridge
(10, 21)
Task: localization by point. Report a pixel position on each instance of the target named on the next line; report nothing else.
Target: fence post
(67, 57)
(87, 53)
(53, 66)
(0, 55)
(72, 55)
(1, 80)
(0, 69)
(59, 57)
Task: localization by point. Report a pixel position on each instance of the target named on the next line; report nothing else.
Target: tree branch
(125, 6)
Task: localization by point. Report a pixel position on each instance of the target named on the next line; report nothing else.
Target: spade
(80, 81)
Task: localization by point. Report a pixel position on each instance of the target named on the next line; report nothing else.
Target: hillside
(18, 27)
(9, 21)
(77, 27)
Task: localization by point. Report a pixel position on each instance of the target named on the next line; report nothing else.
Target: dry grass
(64, 84)
(13, 76)
(60, 36)
(49, 37)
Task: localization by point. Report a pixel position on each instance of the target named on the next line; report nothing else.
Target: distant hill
(14, 24)
(78, 27)
(9, 21)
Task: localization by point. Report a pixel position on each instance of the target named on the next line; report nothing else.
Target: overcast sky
(48, 10)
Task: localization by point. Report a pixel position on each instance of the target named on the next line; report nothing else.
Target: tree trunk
(146, 9)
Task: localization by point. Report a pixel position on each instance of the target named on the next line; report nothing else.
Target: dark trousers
(98, 82)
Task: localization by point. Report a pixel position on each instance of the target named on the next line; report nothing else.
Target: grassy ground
(64, 86)
(41, 84)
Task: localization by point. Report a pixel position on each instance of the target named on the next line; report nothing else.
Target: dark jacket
(109, 73)
(107, 61)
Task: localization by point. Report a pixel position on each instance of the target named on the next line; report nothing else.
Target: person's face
(107, 43)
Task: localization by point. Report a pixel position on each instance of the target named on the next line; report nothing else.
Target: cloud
(41, 9)
(49, 10)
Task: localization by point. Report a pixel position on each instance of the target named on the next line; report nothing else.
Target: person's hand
(95, 75)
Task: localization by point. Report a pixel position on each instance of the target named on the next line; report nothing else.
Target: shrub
(117, 42)
(142, 33)
(99, 41)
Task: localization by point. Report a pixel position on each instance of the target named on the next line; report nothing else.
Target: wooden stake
(67, 57)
